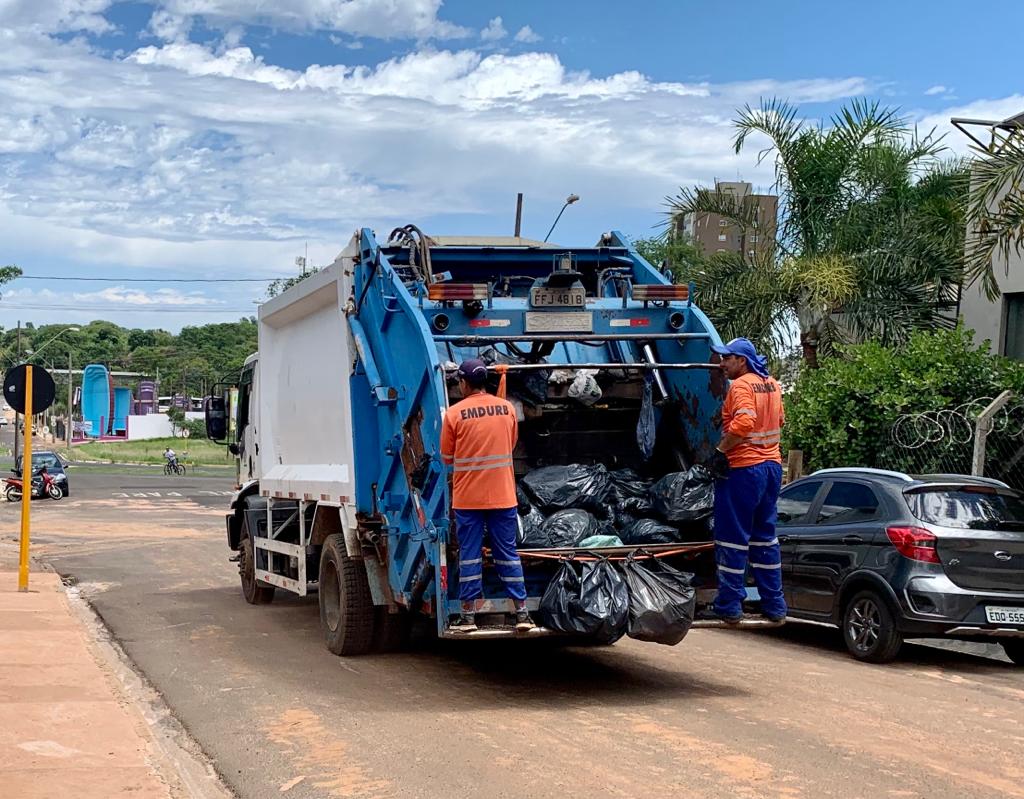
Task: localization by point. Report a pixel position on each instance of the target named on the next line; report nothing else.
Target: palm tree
(861, 247)
(995, 211)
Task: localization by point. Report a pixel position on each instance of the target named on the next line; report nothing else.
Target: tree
(680, 254)
(852, 257)
(284, 283)
(995, 211)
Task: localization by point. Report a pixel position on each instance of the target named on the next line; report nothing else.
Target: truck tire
(254, 591)
(869, 628)
(391, 630)
(346, 607)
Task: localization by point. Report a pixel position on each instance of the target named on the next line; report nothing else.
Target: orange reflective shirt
(753, 410)
(477, 439)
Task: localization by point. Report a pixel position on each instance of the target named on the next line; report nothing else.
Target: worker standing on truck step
(477, 439)
(748, 466)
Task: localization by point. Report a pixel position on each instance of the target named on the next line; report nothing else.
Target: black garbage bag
(566, 528)
(645, 432)
(574, 486)
(662, 602)
(648, 531)
(531, 530)
(684, 496)
(531, 386)
(630, 492)
(523, 504)
(594, 602)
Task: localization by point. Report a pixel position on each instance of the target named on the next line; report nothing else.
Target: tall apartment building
(713, 233)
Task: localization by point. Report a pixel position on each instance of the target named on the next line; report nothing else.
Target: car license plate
(557, 298)
(998, 615)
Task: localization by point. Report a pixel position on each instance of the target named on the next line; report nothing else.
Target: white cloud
(221, 162)
(55, 16)
(994, 109)
(526, 35)
(936, 90)
(170, 27)
(494, 31)
(393, 19)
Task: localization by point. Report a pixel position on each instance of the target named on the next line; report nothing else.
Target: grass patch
(200, 451)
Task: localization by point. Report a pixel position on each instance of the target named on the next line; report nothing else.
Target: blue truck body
(410, 327)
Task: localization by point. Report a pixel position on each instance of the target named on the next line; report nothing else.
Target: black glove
(718, 464)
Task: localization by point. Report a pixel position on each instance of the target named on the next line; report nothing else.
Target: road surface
(724, 714)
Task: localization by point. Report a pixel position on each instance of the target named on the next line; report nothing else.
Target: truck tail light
(456, 292)
(915, 543)
(658, 291)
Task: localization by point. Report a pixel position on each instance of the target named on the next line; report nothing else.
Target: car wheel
(869, 629)
(1014, 649)
(255, 592)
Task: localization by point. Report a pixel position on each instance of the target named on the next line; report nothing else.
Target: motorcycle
(43, 485)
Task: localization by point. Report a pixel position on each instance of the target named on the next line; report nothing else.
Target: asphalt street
(724, 714)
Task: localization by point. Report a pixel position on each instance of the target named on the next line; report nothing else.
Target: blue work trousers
(745, 515)
(502, 525)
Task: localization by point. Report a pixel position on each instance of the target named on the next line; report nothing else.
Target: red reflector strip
(490, 322)
(449, 292)
(660, 292)
(641, 321)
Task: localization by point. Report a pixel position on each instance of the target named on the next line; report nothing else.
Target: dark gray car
(886, 556)
(54, 467)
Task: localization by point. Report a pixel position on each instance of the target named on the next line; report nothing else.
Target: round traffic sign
(42, 388)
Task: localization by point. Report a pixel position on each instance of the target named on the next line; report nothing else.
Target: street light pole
(70, 418)
(572, 198)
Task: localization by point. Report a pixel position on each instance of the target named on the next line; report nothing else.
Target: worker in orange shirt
(477, 438)
(748, 466)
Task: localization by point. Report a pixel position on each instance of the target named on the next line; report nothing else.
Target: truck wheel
(869, 629)
(1014, 649)
(346, 607)
(254, 591)
(391, 630)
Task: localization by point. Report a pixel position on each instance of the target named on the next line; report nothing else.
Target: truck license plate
(557, 298)
(559, 322)
(998, 615)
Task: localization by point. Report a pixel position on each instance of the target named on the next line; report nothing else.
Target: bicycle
(173, 467)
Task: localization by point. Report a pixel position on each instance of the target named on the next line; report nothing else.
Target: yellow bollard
(26, 484)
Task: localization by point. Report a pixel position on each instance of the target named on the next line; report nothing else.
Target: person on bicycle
(171, 456)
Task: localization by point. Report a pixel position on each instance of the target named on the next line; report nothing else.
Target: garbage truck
(336, 423)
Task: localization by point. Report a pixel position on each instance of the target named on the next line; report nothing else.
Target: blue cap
(473, 371)
(744, 347)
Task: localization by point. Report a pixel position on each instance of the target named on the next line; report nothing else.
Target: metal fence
(984, 436)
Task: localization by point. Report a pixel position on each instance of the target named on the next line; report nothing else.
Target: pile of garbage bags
(565, 506)
(653, 602)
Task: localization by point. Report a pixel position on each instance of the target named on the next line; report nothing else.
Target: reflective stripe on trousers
(501, 526)
(745, 514)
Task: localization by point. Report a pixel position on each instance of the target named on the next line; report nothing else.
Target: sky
(222, 139)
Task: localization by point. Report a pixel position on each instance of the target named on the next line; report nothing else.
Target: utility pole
(71, 416)
(17, 416)
(519, 214)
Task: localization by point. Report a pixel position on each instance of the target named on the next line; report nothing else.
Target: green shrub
(842, 414)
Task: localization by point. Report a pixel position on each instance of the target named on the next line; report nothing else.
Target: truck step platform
(492, 631)
(747, 623)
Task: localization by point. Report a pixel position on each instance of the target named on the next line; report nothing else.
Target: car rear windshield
(968, 507)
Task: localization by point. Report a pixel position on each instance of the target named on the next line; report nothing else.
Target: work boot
(774, 619)
(523, 621)
(465, 623)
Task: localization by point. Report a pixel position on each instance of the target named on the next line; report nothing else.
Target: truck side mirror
(216, 419)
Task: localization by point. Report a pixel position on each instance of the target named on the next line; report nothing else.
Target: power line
(155, 279)
(118, 308)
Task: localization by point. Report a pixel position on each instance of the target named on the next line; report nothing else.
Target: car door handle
(852, 539)
(782, 538)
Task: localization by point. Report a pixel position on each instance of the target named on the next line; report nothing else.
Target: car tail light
(915, 543)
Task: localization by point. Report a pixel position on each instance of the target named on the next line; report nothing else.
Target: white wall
(152, 425)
